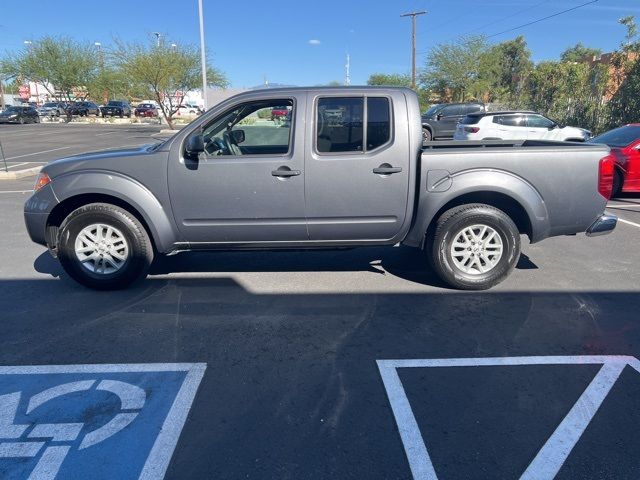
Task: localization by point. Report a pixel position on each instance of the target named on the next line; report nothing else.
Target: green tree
(579, 53)
(62, 65)
(453, 68)
(390, 80)
(625, 103)
(569, 93)
(164, 70)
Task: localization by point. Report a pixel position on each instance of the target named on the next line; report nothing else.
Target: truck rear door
(357, 166)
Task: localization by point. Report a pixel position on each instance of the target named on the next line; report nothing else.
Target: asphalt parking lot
(350, 364)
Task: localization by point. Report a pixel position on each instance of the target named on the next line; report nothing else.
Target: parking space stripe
(37, 153)
(17, 191)
(633, 224)
(557, 448)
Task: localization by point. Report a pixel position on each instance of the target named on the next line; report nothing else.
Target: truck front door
(248, 184)
(357, 167)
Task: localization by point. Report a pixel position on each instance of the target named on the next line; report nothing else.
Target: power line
(543, 18)
(507, 17)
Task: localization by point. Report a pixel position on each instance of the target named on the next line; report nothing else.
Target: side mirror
(237, 136)
(194, 145)
(439, 116)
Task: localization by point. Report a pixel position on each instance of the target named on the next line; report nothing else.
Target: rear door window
(538, 121)
(452, 111)
(509, 120)
(472, 109)
(342, 127)
(378, 122)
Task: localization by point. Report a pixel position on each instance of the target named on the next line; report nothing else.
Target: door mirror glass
(237, 136)
(439, 116)
(194, 145)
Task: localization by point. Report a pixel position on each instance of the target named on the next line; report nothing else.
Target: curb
(168, 131)
(17, 174)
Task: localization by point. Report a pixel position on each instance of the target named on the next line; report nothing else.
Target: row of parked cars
(113, 108)
(472, 121)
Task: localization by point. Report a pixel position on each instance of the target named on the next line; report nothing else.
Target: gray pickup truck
(345, 168)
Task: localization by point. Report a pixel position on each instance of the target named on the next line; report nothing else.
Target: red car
(279, 113)
(146, 110)
(625, 146)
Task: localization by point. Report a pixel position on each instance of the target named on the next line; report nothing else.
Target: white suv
(516, 126)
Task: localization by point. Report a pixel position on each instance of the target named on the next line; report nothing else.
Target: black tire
(426, 135)
(135, 266)
(456, 220)
(618, 181)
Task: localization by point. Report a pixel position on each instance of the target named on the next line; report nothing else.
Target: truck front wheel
(474, 247)
(104, 247)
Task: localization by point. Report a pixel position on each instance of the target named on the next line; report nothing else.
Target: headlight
(42, 181)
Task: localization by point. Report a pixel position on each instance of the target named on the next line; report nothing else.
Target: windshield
(12, 109)
(619, 137)
(113, 103)
(50, 104)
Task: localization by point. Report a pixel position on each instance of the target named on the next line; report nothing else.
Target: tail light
(606, 170)
(472, 129)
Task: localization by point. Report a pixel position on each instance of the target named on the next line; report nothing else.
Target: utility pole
(203, 57)
(347, 68)
(413, 16)
(158, 35)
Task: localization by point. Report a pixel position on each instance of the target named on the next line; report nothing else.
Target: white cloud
(314, 41)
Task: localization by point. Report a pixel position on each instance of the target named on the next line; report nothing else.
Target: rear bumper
(603, 225)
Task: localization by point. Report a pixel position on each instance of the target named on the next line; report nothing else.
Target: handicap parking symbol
(93, 421)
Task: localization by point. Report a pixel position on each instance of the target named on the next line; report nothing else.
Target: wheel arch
(502, 190)
(123, 192)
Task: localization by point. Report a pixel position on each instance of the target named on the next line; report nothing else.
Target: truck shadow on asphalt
(406, 263)
(292, 389)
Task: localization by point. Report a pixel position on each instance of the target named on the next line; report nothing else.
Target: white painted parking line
(557, 448)
(16, 191)
(106, 133)
(37, 153)
(624, 205)
(17, 164)
(633, 224)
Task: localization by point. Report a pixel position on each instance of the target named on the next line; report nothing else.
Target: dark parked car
(362, 179)
(440, 121)
(146, 110)
(20, 115)
(84, 108)
(114, 108)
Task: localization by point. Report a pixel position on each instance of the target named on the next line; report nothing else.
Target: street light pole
(413, 16)
(203, 56)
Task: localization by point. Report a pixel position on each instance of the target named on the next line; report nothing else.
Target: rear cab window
(343, 124)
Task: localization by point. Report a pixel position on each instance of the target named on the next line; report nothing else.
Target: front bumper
(603, 225)
(36, 213)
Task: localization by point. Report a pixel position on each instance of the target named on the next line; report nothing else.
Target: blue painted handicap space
(93, 421)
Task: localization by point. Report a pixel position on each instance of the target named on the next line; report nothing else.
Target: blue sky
(305, 43)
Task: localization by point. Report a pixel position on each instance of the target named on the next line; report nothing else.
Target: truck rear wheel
(474, 247)
(104, 247)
